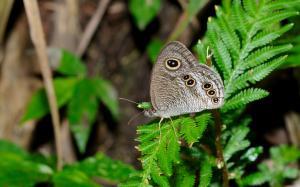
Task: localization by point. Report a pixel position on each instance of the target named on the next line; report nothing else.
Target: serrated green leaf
(173, 148)
(38, 105)
(158, 178)
(184, 176)
(205, 174)
(164, 163)
(144, 11)
(192, 130)
(236, 142)
(244, 97)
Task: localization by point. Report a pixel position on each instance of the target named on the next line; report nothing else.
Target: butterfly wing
(179, 84)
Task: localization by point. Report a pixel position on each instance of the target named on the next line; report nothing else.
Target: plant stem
(219, 150)
(91, 27)
(38, 39)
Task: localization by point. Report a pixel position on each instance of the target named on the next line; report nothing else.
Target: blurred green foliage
(81, 95)
(19, 168)
(143, 11)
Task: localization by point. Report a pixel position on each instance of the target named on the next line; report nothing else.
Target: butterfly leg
(159, 124)
(208, 57)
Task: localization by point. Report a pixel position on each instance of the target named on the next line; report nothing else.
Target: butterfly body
(180, 84)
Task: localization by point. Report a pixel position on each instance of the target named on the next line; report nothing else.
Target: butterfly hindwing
(179, 84)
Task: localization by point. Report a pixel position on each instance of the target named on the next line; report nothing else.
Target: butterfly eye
(211, 92)
(191, 82)
(186, 77)
(207, 86)
(215, 100)
(172, 64)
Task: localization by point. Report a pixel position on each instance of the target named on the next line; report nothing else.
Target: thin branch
(219, 149)
(38, 39)
(91, 27)
(185, 18)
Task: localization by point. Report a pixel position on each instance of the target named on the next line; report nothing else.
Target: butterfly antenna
(134, 117)
(130, 101)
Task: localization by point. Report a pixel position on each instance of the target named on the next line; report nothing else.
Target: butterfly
(181, 85)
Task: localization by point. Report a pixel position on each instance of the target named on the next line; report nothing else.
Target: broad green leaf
(70, 64)
(103, 167)
(144, 11)
(73, 178)
(107, 94)
(38, 105)
(9, 147)
(82, 111)
(18, 171)
(153, 49)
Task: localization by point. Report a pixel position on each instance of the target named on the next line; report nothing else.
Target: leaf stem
(219, 150)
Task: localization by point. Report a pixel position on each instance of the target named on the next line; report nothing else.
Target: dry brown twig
(38, 39)
(91, 27)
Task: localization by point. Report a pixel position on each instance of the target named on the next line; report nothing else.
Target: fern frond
(184, 176)
(157, 177)
(250, 7)
(192, 130)
(189, 130)
(244, 97)
(168, 153)
(256, 74)
(280, 4)
(159, 153)
(205, 173)
(239, 18)
(265, 37)
(228, 34)
(220, 52)
(237, 141)
(275, 17)
(262, 55)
